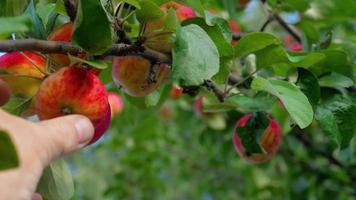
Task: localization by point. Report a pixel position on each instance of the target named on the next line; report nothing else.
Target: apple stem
(67, 111)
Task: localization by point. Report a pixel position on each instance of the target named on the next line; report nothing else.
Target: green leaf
(99, 64)
(253, 42)
(260, 102)
(8, 154)
(56, 182)
(149, 11)
(250, 134)
(335, 61)
(95, 41)
(38, 30)
(60, 9)
(17, 24)
(337, 119)
(17, 105)
(46, 12)
(335, 80)
(216, 35)
(12, 7)
(192, 65)
(295, 102)
(134, 3)
(309, 85)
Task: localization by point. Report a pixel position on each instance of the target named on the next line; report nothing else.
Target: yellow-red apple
(137, 75)
(61, 34)
(74, 90)
(269, 140)
(23, 72)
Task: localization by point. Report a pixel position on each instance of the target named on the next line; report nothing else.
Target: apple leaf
(56, 181)
(335, 80)
(195, 56)
(337, 119)
(295, 102)
(99, 64)
(17, 105)
(309, 85)
(253, 42)
(38, 30)
(8, 154)
(149, 11)
(96, 40)
(216, 35)
(17, 24)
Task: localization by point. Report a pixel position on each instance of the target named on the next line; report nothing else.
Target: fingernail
(85, 130)
(36, 196)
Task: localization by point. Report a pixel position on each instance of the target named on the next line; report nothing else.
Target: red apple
(74, 90)
(292, 44)
(270, 140)
(62, 34)
(116, 104)
(176, 92)
(5, 93)
(137, 75)
(235, 30)
(24, 72)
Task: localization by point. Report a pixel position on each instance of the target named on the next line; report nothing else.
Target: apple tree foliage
(159, 149)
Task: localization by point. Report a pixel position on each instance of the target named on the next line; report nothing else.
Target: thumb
(65, 134)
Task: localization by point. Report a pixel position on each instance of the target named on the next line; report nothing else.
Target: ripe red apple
(74, 90)
(62, 34)
(270, 140)
(235, 30)
(292, 44)
(116, 104)
(176, 92)
(23, 72)
(137, 75)
(183, 12)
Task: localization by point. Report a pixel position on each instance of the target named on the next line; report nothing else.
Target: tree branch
(46, 47)
(211, 86)
(281, 21)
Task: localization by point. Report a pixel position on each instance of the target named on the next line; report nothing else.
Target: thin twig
(211, 86)
(264, 26)
(239, 83)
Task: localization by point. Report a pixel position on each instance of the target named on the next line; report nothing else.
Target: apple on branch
(74, 90)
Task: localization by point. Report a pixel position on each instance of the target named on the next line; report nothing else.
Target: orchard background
(172, 136)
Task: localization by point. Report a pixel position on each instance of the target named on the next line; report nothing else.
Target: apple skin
(5, 93)
(132, 73)
(17, 64)
(292, 44)
(74, 90)
(61, 34)
(235, 30)
(183, 12)
(176, 92)
(270, 141)
(116, 104)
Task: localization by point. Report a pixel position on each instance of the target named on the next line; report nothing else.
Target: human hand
(37, 144)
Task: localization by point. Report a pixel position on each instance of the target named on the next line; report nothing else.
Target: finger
(36, 196)
(64, 135)
(4, 93)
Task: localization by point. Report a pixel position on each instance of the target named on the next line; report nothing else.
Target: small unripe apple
(74, 90)
(24, 72)
(176, 92)
(269, 140)
(61, 34)
(116, 104)
(137, 75)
